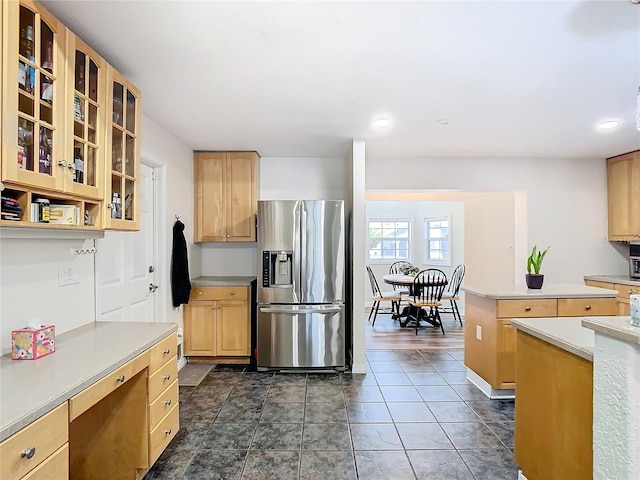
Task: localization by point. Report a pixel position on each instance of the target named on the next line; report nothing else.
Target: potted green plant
(534, 262)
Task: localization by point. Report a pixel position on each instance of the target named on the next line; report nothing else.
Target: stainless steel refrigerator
(301, 290)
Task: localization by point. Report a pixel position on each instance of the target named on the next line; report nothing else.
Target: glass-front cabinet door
(33, 92)
(86, 105)
(123, 154)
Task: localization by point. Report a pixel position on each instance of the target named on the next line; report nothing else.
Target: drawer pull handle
(588, 307)
(167, 403)
(28, 453)
(527, 309)
(167, 351)
(199, 293)
(633, 291)
(120, 379)
(167, 377)
(232, 293)
(167, 432)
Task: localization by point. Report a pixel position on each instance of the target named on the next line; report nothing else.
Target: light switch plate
(67, 276)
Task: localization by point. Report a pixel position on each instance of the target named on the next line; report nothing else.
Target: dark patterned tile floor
(413, 416)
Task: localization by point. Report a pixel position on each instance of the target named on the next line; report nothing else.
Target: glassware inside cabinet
(130, 157)
(118, 104)
(116, 150)
(78, 161)
(128, 199)
(116, 197)
(81, 60)
(27, 22)
(25, 144)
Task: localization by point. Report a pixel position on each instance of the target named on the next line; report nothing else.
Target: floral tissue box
(27, 344)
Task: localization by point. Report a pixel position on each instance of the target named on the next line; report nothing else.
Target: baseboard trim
(359, 368)
(486, 388)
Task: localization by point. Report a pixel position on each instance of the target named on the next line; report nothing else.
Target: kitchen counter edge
(616, 327)
(222, 281)
(619, 279)
(521, 292)
(566, 333)
(76, 364)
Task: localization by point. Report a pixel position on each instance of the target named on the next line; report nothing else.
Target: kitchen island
(490, 339)
(553, 420)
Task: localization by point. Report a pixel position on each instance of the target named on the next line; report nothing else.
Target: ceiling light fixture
(608, 125)
(381, 122)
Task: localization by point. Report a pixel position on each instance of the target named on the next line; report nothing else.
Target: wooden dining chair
(428, 286)
(451, 293)
(378, 296)
(396, 268)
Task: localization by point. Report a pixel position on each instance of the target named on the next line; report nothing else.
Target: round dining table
(400, 279)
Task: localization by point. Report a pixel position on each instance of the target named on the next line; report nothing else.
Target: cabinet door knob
(588, 307)
(527, 309)
(199, 293)
(167, 377)
(167, 432)
(28, 453)
(62, 163)
(166, 351)
(167, 403)
(232, 293)
(120, 379)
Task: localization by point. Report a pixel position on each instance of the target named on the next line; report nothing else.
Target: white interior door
(125, 270)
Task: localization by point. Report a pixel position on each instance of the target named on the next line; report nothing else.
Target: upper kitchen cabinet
(623, 185)
(33, 91)
(123, 154)
(226, 196)
(85, 119)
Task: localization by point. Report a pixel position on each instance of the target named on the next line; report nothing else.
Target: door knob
(152, 287)
(151, 269)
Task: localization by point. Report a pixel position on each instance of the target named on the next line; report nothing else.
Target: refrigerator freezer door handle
(303, 249)
(295, 275)
(301, 311)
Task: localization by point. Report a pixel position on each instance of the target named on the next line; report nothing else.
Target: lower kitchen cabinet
(624, 291)
(216, 322)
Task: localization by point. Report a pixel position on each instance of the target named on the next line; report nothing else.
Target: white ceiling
(514, 78)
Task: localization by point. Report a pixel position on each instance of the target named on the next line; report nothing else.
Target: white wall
(566, 205)
(285, 178)
(29, 266)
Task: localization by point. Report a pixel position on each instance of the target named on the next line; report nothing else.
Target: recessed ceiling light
(443, 122)
(381, 122)
(608, 125)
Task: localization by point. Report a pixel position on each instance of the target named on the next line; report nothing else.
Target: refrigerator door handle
(302, 311)
(295, 275)
(303, 251)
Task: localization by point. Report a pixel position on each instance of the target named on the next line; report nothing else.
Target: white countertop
(31, 388)
(222, 281)
(566, 333)
(616, 327)
(549, 290)
(619, 279)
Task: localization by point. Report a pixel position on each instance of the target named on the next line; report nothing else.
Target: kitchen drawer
(44, 436)
(579, 307)
(162, 378)
(160, 436)
(164, 350)
(527, 308)
(87, 398)
(162, 404)
(219, 293)
(625, 290)
(56, 467)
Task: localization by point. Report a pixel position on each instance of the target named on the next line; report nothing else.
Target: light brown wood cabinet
(624, 291)
(216, 322)
(623, 185)
(57, 133)
(226, 196)
(493, 355)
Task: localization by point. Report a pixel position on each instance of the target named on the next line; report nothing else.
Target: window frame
(409, 239)
(427, 239)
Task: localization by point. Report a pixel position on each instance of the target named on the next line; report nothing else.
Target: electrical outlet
(67, 276)
(478, 332)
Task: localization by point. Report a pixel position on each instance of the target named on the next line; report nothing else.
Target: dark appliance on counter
(634, 260)
(301, 285)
